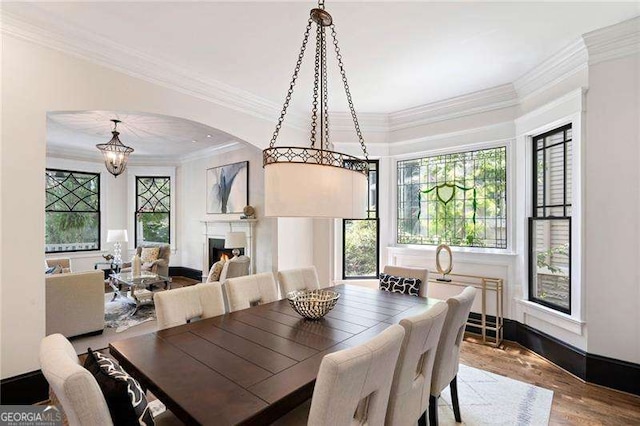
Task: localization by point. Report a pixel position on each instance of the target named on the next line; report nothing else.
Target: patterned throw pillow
(402, 285)
(125, 398)
(216, 270)
(149, 254)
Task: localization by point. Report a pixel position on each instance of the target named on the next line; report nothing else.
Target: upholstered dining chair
(179, 306)
(251, 290)
(76, 388)
(409, 397)
(352, 386)
(445, 366)
(298, 279)
(407, 272)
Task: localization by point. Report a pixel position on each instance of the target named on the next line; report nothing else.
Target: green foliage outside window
(360, 243)
(72, 213)
(153, 200)
(458, 199)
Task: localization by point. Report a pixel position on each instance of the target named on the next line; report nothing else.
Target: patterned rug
(118, 313)
(489, 399)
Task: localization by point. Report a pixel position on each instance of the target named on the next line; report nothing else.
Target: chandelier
(115, 153)
(315, 181)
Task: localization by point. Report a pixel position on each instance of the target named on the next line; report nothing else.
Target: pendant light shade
(115, 153)
(316, 181)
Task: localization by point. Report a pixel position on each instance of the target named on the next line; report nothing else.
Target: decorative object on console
(228, 188)
(313, 304)
(335, 184)
(249, 212)
(439, 268)
(115, 153)
(404, 285)
(235, 241)
(117, 236)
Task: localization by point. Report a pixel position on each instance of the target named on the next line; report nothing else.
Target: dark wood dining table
(255, 365)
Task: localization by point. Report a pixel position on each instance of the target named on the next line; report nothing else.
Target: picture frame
(227, 188)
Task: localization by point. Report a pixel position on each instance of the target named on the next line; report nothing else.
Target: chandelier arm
(296, 71)
(316, 79)
(325, 91)
(348, 92)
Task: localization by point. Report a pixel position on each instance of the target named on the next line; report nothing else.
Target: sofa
(75, 303)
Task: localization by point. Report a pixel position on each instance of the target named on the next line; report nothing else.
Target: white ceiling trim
(613, 42)
(558, 67)
(605, 44)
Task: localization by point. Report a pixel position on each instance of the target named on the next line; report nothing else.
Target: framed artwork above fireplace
(228, 188)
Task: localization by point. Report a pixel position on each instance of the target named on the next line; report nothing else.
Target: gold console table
(485, 284)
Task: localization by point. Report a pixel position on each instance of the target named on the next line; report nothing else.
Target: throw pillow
(125, 398)
(50, 270)
(149, 254)
(402, 285)
(216, 270)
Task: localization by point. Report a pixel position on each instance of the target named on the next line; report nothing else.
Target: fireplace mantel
(217, 228)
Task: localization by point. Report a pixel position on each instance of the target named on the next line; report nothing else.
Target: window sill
(551, 316)
(432, 249)
(75, 254)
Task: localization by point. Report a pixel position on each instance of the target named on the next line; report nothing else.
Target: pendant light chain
(316, 83)
(296, 71)
(325, 91)
(348, 92)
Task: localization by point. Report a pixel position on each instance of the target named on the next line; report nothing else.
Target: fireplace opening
(218, 252)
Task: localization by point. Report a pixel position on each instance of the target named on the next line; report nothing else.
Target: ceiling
(397, 54)
(150, 135)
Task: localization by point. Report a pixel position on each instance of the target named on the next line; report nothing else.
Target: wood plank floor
(574, 401)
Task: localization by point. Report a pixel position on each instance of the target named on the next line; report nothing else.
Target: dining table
(254, 365)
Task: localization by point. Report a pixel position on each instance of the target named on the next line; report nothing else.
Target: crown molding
(613, 42)
(229, 146)
(491, 99)
(369, 121)
(102, 51)
(558, 67)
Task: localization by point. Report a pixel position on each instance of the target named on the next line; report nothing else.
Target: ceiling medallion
(316, 181)
(115, 153)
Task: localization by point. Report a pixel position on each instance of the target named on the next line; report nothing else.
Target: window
(550, 226)
(360, 237)
(153, 209)
(457, 199)
(72, 212)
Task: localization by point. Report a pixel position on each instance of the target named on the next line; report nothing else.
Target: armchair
(159, 266)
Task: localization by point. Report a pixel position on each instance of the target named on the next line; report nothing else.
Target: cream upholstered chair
(409, 398)
(353, 384)
(232, 268)
(445, 367)
(406, 272)
(298, 279)
(244, 292)
(159, 266)
(179, 306)
(76, 388)
(63, 262)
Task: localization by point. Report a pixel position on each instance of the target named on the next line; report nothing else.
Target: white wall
(36, 80)
(192, 205)
(295, 242)
(613, 209)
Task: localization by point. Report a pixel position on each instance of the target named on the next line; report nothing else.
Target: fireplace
(217, 251)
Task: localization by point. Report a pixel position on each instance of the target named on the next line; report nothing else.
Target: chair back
(445, 367)
(298, 279)
(353, 384)
(179, 306)
(163, 254)
(406, 272)
(244, 292)
(75, 387)
(411, 386)
(235, 267)
(64, 262)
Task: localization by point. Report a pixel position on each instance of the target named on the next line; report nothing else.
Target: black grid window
(550, 224)
(457, 199)
(72, 212)
(153, 209)
(361, 237)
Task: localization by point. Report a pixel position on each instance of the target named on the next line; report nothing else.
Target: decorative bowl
(312, 304)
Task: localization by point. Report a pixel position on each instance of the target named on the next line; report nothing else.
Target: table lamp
(235, 241)
(116, 236)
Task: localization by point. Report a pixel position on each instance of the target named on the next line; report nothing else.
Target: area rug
(118, 313)
(490, 399)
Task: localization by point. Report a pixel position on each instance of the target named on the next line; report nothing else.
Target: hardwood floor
(574, 401)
